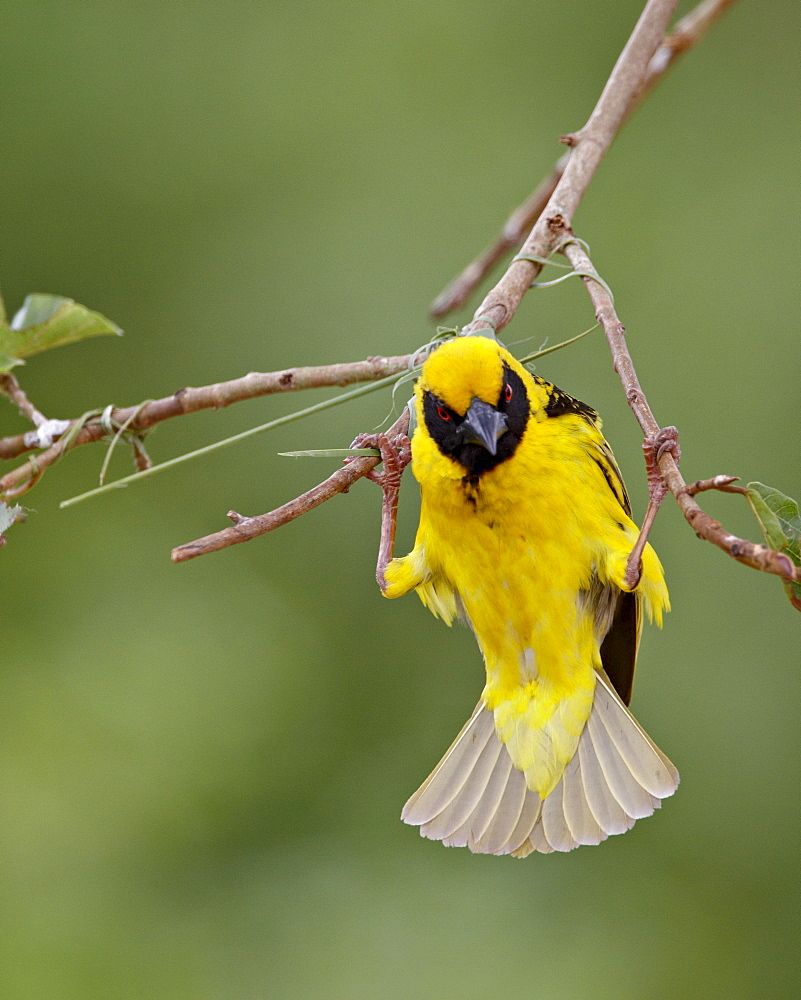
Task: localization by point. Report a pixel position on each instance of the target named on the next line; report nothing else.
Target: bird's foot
(395, 456)
(396, 453)
(654, 447)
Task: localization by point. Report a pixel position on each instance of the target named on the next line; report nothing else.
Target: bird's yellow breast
(516, 549)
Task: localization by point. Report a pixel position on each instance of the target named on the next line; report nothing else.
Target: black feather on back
(561, 403)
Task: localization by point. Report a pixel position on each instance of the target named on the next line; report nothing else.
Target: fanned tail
(476, 798)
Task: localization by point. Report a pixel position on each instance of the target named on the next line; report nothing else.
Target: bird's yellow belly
(518, 575)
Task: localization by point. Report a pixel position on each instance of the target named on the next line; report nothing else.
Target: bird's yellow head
(474, 400)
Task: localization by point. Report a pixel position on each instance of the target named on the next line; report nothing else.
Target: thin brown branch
(590, 146)
(13, 446)
(189, 400)
(725, 484)
(757, 556)
(511, 236)
(246, 528)
(11, 387)
(687, 33)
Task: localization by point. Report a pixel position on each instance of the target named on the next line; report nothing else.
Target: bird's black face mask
(486, 435)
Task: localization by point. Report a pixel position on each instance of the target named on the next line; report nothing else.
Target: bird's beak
(483, 425)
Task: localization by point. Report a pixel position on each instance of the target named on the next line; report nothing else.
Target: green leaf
(331, 453)
(8, 515)
(779, 519)
(2, 312)
(7, 363)
(46, 321)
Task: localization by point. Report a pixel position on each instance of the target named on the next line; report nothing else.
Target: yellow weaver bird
(525, 532)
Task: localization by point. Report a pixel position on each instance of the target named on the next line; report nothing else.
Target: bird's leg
(654, 447)
(395, 456)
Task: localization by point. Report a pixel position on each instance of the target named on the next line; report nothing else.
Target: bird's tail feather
(476, 798)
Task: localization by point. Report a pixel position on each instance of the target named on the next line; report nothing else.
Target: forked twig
(686, 33)
(141, 417)
(757, 556)
(589, 146)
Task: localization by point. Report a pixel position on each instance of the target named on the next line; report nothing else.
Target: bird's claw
(396, 453)
(654, 447)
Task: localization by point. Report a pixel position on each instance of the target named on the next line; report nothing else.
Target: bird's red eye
(442, 413)
(507, 392)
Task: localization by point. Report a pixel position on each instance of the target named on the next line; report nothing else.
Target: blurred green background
(202, 766)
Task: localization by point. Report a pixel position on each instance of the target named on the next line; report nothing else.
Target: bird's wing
(619, 647)
(605, 458)
(620, 643)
